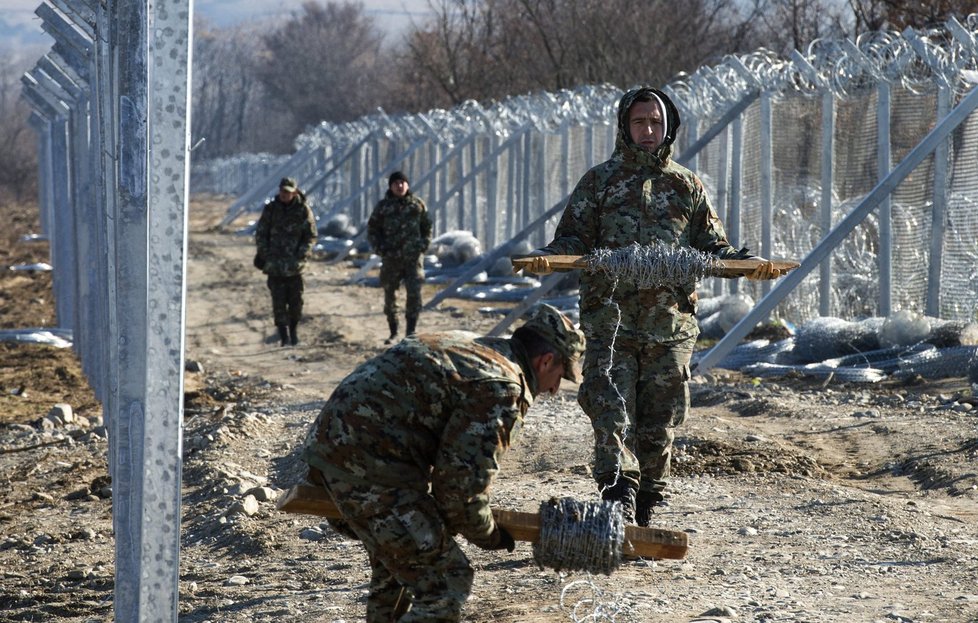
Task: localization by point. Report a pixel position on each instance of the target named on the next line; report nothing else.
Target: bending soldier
(408, 445)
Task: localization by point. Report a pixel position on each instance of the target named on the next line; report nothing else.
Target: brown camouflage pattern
(408, 445)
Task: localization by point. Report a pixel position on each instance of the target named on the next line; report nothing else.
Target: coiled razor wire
(594, 608)
(653, 266)
(580, 536)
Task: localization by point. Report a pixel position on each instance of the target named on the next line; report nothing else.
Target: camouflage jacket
(435, 412)
(399, 227)
(285, 235)
(636, 196)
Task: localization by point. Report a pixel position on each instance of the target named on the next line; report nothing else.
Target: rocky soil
(804, 500)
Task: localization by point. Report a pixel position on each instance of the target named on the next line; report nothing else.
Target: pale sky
(20, 26)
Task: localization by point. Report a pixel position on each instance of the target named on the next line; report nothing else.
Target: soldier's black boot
(392, 323)
(293, 336)
(283, 334)
(412, 322)
(622, 492)
(645, 503)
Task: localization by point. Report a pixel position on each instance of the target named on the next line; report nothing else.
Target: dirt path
(802, 501)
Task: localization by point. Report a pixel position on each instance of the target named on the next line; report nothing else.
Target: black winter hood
(648, 94)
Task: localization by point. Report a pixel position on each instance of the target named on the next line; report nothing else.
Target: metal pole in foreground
(153, 76)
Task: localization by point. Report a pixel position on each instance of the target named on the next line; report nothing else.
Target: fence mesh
(495, 171)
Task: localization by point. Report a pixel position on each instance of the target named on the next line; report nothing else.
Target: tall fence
(111, 112)
(798, 153)
(786, 146)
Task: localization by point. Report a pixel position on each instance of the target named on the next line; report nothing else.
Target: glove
(501, 539)
(259, 261)
(764, 271)
(540, 265)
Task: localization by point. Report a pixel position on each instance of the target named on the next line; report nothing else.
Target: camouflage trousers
(635, 396)
(393, 272)
(418, 571)
(286, 299)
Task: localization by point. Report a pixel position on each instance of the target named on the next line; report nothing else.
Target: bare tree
(786, 25)
(231, 109)
(454, 57)
(18, 142)
(493, 48)
(322, 64)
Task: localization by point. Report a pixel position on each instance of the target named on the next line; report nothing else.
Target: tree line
(256, 86)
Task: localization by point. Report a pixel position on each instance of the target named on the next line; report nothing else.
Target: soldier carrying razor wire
(639, 340)
(409, 443)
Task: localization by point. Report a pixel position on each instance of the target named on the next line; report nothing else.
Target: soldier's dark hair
(534, 343)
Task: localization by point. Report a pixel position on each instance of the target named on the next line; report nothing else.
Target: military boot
(645, 503)
(624, 493)
(283, 334)
(392, 323)
(293, 336)
(412, 322)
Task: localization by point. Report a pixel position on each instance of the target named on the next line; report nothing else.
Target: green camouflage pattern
(399, 230)
(636, 196)
(394, 272)
(287, 300)
(409, 547)
(408, 445)
(635, 417)
(285, 235)
(645, 335)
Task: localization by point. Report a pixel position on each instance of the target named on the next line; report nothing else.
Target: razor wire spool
(580, 536)
(653, 266)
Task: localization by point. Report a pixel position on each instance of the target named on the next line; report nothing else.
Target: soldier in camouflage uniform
(408, 445)
(285, 235)
(640, 341)
(399, 231)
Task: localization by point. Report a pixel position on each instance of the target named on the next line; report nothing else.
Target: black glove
(501, 539)
(744, 254)
(259, 261)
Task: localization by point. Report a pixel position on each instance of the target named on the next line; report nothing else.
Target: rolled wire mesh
(580, 536)
(939, 363)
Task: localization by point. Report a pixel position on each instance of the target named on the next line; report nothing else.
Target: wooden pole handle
(645, 542)
(730, 268)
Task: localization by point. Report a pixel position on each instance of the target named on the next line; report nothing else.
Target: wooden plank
(644, 542)
(730, 268)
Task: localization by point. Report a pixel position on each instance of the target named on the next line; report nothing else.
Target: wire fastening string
(580, 536)
(654, 266)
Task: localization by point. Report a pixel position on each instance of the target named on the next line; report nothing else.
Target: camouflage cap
(288, 184)
(558, 329)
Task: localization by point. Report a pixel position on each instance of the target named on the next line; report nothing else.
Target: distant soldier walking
(285, 235)
(409, 443)
(399, 231)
